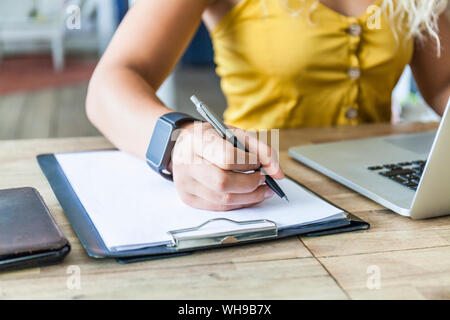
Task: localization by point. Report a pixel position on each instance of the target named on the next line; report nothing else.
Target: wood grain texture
(404, 274)
(412, 256)
(10, 110)
(48, 113)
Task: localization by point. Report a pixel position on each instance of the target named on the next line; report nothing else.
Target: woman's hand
(204, 169)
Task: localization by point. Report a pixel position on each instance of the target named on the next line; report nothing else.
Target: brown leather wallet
(29, 236)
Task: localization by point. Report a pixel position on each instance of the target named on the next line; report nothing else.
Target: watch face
(159, 142)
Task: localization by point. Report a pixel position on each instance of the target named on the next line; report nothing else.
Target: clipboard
(182, 243)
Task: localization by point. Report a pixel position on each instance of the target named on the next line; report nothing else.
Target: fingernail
(269, 193)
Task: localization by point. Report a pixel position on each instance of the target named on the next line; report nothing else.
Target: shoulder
(216, 10)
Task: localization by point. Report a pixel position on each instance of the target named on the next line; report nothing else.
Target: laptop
(409, 174)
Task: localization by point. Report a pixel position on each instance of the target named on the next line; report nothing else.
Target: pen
(225, 133)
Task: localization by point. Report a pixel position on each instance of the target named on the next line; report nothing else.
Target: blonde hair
(420, 17)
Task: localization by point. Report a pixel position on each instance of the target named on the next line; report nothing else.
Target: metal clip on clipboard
(181, 242)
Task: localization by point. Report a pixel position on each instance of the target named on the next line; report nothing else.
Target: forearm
(149, 42)
(124, 107)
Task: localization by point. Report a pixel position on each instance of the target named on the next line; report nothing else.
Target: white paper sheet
(133, 207)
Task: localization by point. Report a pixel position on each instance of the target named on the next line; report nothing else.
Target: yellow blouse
(294, 63)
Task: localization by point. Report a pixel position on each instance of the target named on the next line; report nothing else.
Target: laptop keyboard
(406, 173)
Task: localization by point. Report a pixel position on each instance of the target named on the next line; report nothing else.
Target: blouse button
(351, 113)
(355, 29)
(354, 73)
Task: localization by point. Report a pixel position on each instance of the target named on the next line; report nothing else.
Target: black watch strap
(177, 118)
(161, 143)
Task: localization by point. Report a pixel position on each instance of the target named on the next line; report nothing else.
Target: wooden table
(411, 259)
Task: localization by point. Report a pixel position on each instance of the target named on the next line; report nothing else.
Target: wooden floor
(60, 112)
(55, 112)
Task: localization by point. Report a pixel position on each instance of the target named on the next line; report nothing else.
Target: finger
(199, 203)
(220, 180)
(210, 146)
(230, 199)
(266, 155)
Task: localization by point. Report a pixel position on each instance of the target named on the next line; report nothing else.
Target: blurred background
(49, 49)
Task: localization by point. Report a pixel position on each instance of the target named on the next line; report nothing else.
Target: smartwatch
(161, 144)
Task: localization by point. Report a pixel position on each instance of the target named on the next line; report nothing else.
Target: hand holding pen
(226, 134)
(205, 173)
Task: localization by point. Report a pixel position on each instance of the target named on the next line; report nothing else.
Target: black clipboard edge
(355, 224)
(96, 248)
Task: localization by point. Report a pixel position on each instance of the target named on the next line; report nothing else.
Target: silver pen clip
(208, 115)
